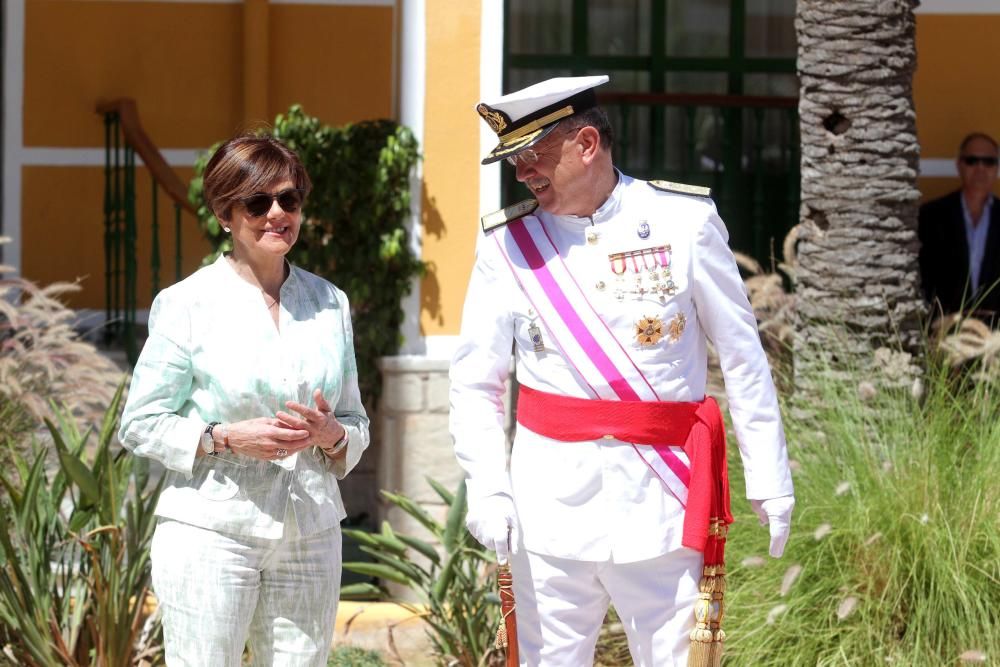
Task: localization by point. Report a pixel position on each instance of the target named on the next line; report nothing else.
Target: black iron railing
(124, 138)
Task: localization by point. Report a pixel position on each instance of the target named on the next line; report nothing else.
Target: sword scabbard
(508, 618)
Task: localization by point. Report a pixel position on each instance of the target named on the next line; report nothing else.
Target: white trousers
(219, 592)
(561, 606)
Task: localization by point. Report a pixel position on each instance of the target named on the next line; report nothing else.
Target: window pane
(618, 27)
(632, 129)
(623, 81)
(698, 28)
(696, 82)
(631, 122)
(694, 137)
(518, 78)
(771, 85)
(768, 138)
(540, 26)
(769, 133)
(770, 28)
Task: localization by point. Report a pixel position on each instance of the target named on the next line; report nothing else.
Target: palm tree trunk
(857, 281)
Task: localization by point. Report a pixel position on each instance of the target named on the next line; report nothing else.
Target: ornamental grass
(894, 557)
(44, 359)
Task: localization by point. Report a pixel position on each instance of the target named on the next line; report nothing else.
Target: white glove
(777, 514)
(492, 521)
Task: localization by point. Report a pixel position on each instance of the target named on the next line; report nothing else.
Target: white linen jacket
(214, 354)
(598, 500)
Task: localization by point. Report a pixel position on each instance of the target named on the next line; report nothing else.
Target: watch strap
(208, 432)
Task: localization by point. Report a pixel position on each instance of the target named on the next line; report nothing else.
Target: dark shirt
(944, 260)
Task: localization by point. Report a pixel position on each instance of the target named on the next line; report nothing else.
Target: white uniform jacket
(214, 354)
(598, 500)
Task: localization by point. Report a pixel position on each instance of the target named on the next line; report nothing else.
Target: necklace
(239, 271)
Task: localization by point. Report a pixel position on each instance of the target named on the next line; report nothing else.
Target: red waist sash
(697, 426)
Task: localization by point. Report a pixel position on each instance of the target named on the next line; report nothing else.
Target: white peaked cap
(524, 117)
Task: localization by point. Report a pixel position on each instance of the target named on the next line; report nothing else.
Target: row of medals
(638, 273)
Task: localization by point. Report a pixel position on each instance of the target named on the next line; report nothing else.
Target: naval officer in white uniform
(646, 266)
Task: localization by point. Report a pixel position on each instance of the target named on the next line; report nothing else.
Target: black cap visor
(510, 148)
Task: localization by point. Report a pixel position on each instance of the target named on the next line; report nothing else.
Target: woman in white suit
(246, 391)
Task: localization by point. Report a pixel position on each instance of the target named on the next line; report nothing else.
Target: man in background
(960, 237)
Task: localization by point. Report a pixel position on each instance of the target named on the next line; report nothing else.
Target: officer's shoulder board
(508, 214)
(681, 188)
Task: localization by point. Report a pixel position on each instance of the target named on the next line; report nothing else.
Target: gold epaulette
(500, 218)
(682, 188)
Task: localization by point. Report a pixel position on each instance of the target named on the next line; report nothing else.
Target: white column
(412, 88)
(13, 136)
(490, 87)
(958, 7)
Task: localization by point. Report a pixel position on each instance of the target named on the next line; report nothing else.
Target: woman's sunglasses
(289, 200)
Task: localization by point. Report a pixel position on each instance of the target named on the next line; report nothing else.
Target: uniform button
(609, 437)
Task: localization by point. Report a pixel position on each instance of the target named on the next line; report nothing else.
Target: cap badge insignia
(676, 327)
(536, 338)
(649, 331)
(495, 119)
(643, 229)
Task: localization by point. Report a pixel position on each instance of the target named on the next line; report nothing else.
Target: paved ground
(395, 632)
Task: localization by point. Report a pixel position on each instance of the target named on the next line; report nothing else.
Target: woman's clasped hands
(278, 437)
(323, 428)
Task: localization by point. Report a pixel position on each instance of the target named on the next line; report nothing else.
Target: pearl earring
(226, 228)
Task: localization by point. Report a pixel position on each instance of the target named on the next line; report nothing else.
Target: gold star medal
(649, 331)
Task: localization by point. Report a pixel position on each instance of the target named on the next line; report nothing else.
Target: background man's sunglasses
(259, 204)
(973, 160)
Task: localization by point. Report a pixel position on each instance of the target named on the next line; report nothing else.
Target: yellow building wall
(955, 88)
(451, 167)
(66, 232)
(183, 64)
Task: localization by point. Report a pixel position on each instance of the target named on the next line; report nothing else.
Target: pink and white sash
(583, 338)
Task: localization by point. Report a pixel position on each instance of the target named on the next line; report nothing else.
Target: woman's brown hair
(246, 165)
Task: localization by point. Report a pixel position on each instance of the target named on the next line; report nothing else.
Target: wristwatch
(207, 442)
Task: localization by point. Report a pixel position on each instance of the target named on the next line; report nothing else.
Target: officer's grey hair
(596, 118)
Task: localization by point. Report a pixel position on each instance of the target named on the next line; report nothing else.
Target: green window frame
(754, 169)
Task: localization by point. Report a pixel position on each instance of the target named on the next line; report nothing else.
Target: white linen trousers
(219, 592)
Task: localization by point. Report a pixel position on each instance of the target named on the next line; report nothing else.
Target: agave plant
(74, 551)
(456, 584)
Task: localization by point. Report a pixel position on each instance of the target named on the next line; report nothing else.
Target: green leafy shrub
(354, 227)
(74, 552)
(458, 587)
(354, 656)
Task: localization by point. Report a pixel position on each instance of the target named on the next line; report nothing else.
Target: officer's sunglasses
(529, 156)
(259, 204)
(973, 160)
